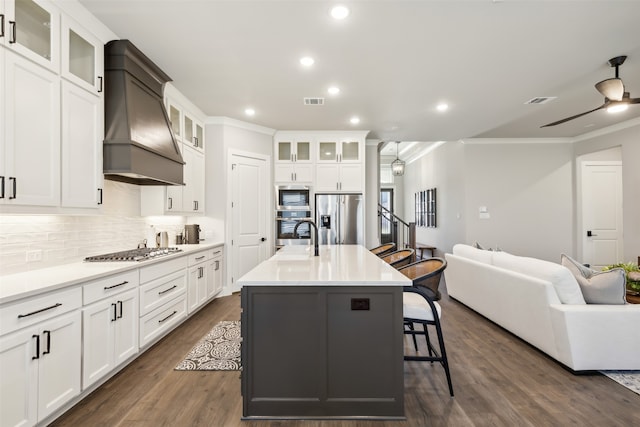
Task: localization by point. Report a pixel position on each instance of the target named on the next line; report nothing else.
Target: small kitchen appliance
(192, 234)
(162, 240)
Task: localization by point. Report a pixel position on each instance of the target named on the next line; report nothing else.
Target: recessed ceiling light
(333, 90)
(250, 112)
(339, 12)
(442, 107)
(307, 61)
(354, 120)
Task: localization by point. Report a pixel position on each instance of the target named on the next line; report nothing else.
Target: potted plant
(633, 275)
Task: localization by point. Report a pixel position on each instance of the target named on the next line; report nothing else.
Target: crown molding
(227, 121)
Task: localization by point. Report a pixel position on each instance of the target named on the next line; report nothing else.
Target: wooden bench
(420, 248)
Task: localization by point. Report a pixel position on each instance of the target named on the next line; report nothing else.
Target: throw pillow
(598, 287)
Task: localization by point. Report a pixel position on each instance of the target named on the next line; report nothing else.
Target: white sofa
(525, 296)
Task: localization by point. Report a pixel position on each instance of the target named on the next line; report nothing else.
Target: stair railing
(407, 237)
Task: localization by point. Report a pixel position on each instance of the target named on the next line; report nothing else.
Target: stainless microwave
(291, 197)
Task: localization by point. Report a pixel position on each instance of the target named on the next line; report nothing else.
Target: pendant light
(397, 166)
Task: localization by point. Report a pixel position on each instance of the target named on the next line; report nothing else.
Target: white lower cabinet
(163, 298)
(162, 320)
(110, 335)
(199, 266)
(215, 278)
(39, 369)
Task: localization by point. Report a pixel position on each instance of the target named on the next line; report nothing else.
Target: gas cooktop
(142, 254)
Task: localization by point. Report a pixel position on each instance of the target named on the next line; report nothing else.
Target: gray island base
(319, 343)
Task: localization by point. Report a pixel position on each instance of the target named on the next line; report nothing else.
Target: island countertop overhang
(337, 265)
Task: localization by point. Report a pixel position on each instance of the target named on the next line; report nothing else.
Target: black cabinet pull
(20, 316)
(167, 290)
(1, 24)
(48, 350)
(168, 317)
(217, 265)
(195, 205)
(100, 84)
(14, 187)
(37, 356)
(99, 196)
(115, 312)
(195, 141)
(12, 39)
(2, 188)
(198, 258)
(170, 203)
(115, 286)
(120, 307)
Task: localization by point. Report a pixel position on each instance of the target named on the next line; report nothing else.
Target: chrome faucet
(315, 234)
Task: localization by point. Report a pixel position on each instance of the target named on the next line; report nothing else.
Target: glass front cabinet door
(32, 29)
(82, 57)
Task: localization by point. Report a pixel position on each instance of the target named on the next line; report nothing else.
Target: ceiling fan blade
(612, 89)
(576, 116)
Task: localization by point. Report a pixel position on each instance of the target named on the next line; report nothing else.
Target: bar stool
(419, 308)
(383, 249)
(399, 258)
(426, 274)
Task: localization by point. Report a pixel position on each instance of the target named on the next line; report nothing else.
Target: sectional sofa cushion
(598, 287)
(565, 284)
(475, 254)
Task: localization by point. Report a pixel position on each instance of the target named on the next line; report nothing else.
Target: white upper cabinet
(327, 161)
(32, 29)
(340, 150)
(31, 153)
(82, 57)
(187, 198)
(293, 150)
(193, 133)
(81, 139)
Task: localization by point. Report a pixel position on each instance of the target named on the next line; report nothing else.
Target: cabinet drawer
(163, 268)
(27, 312)
(159, 291)
(163, 319)
(103, 288)
(217, 252)
(199, 257)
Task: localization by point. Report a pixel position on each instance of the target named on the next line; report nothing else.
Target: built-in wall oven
(293, 203)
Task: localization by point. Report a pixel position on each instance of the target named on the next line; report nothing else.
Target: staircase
(402, 233)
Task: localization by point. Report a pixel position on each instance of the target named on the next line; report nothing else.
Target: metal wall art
(425, 202)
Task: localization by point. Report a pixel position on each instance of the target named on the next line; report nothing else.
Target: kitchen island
(322, 336)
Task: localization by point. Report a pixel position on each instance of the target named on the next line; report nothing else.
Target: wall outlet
(33, 256)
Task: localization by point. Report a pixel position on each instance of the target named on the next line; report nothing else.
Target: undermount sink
(303, 253)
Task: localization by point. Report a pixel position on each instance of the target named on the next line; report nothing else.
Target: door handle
(590, 234)
(263, 239)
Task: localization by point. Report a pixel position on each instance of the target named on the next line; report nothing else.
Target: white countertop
(337, 265)
(21, 285)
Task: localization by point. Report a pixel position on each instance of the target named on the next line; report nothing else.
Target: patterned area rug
(629, 379)
(219, 350)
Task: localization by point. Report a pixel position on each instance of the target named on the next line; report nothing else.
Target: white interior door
(602, 213)
(249, 216)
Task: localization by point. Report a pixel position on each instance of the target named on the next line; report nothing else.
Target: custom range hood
(139, 145)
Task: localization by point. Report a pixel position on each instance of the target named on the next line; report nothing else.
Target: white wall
(627, 138)
(224, 134)
(372, 188)
(528, 191)
(443, 169)
(63, 239)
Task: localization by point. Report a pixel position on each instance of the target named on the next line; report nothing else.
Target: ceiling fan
(613, 92)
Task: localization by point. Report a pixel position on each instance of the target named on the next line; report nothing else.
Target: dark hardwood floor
(498, 380)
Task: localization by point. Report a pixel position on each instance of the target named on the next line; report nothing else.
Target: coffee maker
(192, 234)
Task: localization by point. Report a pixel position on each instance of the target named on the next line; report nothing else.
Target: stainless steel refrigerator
(340, 219)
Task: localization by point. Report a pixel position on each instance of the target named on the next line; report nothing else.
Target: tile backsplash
(30, 242)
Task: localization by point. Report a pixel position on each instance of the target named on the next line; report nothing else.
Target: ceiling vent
(314, 101)
(541, 100)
